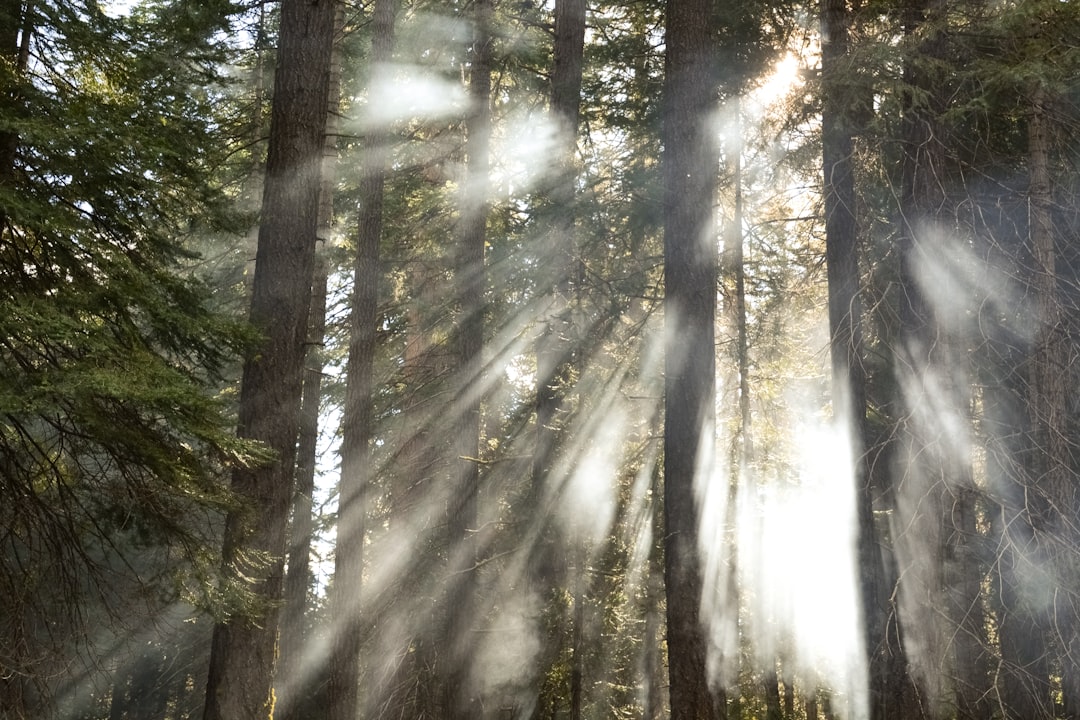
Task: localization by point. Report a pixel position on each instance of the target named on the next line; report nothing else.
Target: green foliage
(114, 415)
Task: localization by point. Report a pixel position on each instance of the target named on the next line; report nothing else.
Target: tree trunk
(1048, 402)
(773, 709)
(297, 671)
(655, 696)
(556, 346)
(884, 657)
(243, 648)
(690, 265)
(358, 415)
(461, 699)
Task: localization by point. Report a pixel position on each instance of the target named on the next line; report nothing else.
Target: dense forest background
(489, 359)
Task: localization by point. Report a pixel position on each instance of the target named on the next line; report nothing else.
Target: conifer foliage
(112, 430)
(569, 463)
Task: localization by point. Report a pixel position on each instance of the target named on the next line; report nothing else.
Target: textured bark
(298, 576)
(296, 673)
(358, 415)
(461, 699)
(690, 266)
(243, 649)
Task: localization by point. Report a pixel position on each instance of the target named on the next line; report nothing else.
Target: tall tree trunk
(554, 353)
(244, 647)
(296, 669)
(883, 656)
(461, 699)
(690, 265)
(1049, 403)
(742, 450)
(1048, 400)
(358, 415)
(735, 284)
(556, 346)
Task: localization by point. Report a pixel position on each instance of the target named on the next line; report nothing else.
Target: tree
(112, 431)
(243, 653)
(1048, 394)
(358, 421)
(462, 544)
(296, 669)
(555, 349)
(690, 283)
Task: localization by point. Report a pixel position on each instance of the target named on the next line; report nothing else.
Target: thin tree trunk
(461, 699)
(577, 640)
(690, 265)
(773, 710)
(655, 695)
(742, 450)
(845, 328)
(358, 415)
(557, 346)
(1048, 401)
(244, 648)
(738, 270)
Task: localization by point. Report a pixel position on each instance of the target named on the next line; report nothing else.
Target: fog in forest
(539, 360)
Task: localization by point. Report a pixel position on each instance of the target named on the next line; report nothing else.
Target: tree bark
(1048, 400)
(690, 265)
(243, 649)
(885, 662)
(557, 346)
(297, 671)
(358, 416)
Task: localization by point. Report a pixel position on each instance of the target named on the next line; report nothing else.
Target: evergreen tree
(358, 423)
(244, 648)
(690, 287)
(113, 433)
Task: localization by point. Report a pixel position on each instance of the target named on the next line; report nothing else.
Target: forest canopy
(485, 359)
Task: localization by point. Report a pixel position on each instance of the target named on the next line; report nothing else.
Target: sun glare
(785, 76)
